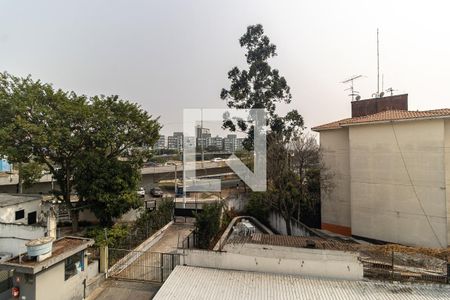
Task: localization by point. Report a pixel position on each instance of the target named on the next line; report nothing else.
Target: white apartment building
(391, 173)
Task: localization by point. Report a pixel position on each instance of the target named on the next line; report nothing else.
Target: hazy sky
(169, 55)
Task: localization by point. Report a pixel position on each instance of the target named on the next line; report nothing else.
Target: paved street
(125, 290)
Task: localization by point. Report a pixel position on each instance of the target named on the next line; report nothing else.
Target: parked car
(141, 192)
(217, 159)
(156, 192)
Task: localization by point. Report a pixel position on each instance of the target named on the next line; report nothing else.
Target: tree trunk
(74, 214)
(288, 226)
(20, 183)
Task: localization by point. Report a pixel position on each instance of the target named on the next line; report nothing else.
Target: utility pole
(201, 136)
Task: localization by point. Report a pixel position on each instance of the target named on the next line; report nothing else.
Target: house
(20, 208)
(391, 173)
(19, 222)
(59, 274)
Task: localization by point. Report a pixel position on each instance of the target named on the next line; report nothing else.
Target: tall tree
(260, 87)
(57, 128)
(296, 179)
(106, 185)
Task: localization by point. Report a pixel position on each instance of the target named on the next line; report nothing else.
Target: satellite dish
(381, 94)
(358, 98)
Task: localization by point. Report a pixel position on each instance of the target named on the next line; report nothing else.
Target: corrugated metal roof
(201, 283)
(385, 116)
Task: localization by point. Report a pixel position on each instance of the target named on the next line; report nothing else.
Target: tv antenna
(353, 93)
(391, 90)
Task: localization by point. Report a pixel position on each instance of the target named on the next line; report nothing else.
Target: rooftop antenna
(391, 90)
(353, 93)
(378, 63)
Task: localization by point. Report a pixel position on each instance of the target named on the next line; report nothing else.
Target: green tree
(107, 185)
(260, 87)
(30, 173)
(112, 237)
(283, 184)
(149, 221)
(296, 179)
(258, 206)
(314, 177)
(57, 128)
(207, 224)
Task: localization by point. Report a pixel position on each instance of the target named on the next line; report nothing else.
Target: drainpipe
(84, 288)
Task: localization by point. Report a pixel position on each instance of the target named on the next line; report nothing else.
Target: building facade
(161, 142)
(5, 166)
(390, 175)
(61, 276)
(175, 141)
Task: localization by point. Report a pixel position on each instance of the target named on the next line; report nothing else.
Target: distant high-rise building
(161, 142)
(202, 136)
(239, 144)
(216, 142)
(175, 141)
(201, 132)
(229, 143)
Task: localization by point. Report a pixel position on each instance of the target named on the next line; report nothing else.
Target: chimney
(372, 106)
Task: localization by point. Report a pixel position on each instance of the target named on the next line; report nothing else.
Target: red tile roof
(386, 116)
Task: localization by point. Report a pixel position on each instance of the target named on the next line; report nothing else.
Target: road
(125, 290)
(12, 179)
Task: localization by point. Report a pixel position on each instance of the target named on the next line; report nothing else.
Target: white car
(141, 192)
(217, 159)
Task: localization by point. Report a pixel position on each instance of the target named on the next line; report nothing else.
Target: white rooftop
(15, 199)
(202, 283)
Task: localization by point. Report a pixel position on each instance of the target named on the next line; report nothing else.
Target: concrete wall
(14, 236)
(279, 260)
(277, 222)
(237, 202)
(336, 215)
(7, 214)
(447, 175)
(397, 180)
(50, 284)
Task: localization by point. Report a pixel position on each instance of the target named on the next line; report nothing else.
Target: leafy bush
(112, 237)
(207, 223)
(150, 221)
(258, 207)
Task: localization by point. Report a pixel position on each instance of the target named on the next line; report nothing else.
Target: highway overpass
(150, 177)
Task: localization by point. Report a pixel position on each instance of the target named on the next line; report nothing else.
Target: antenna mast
(353, 93)
(378, 65)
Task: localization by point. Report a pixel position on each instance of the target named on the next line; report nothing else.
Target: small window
(20, 214)
(32, 218)
(73, 265)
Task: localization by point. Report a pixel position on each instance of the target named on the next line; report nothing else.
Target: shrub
(258, 207)
(207, 224)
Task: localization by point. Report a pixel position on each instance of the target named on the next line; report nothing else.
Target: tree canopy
(260, 87)
(292, 174)
(57, 128)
